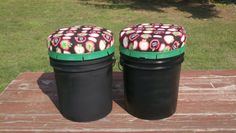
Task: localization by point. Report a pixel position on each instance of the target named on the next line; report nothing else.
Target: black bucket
(84, 88)
(151, 56)
(151, 85)
(82, 57)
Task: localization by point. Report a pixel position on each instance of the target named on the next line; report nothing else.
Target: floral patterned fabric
(153, 37)
(80, 40)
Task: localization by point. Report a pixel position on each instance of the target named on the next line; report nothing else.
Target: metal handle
(114, 61)
(120, 66)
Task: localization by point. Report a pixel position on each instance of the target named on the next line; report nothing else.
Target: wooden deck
(207, 103)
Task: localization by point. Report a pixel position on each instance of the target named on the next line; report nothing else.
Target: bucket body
(84, 88)
(151, 86)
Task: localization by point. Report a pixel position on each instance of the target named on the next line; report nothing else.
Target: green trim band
(81, 57)
(152, 55)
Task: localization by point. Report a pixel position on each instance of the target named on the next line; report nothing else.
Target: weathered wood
(207, 103)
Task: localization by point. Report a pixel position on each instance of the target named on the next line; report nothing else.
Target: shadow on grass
(197, 10)
(200, 11)
(227, 1)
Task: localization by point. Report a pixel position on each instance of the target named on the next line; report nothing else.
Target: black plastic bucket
(82, 58)
(151, 56)
(84, 88)
(151, 85)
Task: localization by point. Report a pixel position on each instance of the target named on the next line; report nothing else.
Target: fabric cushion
(153, 37)
(80, 40)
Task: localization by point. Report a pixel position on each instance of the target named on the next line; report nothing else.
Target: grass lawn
(25, 25)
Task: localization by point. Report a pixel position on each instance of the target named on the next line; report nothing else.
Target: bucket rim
(152, 55)
(82, 57)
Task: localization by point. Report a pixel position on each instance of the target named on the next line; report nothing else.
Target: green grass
(25, 25)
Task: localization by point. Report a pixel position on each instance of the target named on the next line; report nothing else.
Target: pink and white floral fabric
(153, 37)
(80, 40)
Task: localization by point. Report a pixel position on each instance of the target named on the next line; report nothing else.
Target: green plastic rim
(152, 55)
(81, 57)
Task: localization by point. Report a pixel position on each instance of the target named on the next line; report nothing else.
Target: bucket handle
(120, 66)
(113, 61)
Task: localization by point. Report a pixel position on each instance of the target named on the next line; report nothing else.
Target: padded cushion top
(80, 40)
(153, 37)
(79, 43)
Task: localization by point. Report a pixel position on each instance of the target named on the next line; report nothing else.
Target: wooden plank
(179, 122)
(207, 73)
(183, 107)
(225, 93)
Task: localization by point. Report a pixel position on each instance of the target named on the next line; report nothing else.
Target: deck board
(207, 103)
